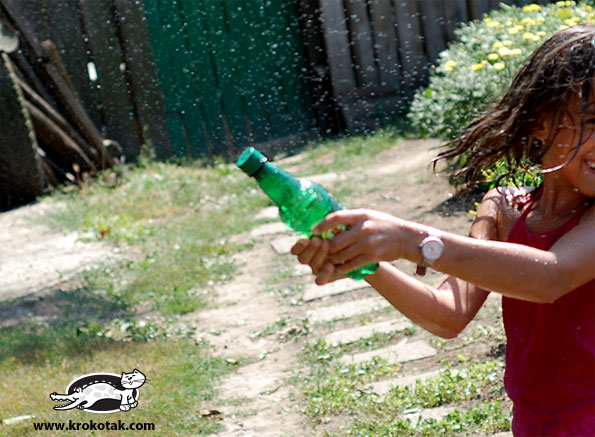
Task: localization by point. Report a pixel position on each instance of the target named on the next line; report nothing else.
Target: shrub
(475, 72)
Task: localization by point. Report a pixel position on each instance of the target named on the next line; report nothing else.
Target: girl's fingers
(325, 275)
(308, 253)
(299, 246)
(335, 219)
(320, 257)
(358, 261)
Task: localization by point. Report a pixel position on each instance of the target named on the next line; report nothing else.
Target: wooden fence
(202, 77)
(379, 51)
(233, 73)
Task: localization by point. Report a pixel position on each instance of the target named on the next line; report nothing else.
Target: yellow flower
(499, 66)
(507, 42)
(493, 56)
(497, 45)
(561, 4)
(530, 36)
(449, 65)
(540, 20)
(588, 8)
(477, 67)
(572, 21)
(504, 51)
(532, 8)
(528, 21)
(514, 30)
(515, 52)
(493, 24)
(541, 34)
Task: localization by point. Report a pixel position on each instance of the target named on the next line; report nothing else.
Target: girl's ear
(541, 129)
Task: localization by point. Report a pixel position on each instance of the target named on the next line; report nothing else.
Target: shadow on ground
(38, 325)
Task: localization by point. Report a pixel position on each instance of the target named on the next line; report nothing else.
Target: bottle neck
(276, 183)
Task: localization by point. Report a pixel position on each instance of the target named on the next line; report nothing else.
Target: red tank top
(550, 351)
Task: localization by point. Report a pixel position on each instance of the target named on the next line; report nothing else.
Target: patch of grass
(349, 152)
(180, 373)
(339, 391)
(180, 218)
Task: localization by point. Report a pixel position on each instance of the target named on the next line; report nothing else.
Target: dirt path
(34, 258)
(265, 314)
(260, 309)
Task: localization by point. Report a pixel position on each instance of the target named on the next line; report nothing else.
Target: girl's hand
(314, 252)
(371, 236)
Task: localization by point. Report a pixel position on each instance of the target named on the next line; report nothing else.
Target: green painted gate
(233, 72)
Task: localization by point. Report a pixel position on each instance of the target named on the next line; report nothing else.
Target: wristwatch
(431, 249)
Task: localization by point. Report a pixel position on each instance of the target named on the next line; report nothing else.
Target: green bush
(475, 72)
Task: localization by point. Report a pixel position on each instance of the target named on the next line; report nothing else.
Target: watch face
(432, 249)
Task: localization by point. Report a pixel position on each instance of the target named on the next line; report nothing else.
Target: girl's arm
(444, 311)
(510, 269)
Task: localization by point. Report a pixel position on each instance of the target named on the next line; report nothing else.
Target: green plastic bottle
(302, 203)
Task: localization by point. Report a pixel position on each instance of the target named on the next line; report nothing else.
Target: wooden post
(337, 45)
(21, 172)
(146, 95)
(385, 43)
(363, 45)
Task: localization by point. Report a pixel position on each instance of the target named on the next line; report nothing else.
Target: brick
(399, 353)
(270, 213)
(381, 388)
(351, 335)
(347, 309)
(314, 292)
(270, 229)
(282, 245)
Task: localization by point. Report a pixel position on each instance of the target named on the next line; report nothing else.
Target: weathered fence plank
(107, 56)
(363, 44)
(337, 46)
(409, 34)
(143, 84)
(433, 29)
(21, 176)
(385, 43)
(65, 30)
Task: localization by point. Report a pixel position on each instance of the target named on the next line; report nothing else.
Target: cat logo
(102, 392)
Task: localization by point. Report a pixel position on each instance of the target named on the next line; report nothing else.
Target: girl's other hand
(371, 236)
(314, 253)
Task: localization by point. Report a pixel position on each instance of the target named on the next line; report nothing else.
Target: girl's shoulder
(505, 205)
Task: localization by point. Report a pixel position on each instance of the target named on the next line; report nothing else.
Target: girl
(535, 248)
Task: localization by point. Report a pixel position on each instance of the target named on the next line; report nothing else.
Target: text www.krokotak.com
(93, 426)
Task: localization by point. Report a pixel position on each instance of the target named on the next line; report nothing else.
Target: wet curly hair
(560, 68)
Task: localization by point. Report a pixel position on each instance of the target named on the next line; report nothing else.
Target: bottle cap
(251, 160)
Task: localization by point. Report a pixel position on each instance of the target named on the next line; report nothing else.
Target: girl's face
(579, 173)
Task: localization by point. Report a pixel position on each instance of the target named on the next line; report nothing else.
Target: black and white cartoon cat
(89, 390)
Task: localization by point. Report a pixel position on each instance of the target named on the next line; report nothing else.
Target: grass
(181, 375)
(175, 223)
(342, 393)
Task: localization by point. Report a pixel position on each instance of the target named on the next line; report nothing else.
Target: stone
(283, 245)
(351, 335)
(437, 413)
(270, 229)
(301, 270)
(347, 309)
(381, 388)
(400, 353)
(326, 178)
(268, 213)
(314, 292)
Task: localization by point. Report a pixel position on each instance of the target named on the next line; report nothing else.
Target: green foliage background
(475, 72)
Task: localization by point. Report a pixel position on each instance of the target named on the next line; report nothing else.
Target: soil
(259, 399)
